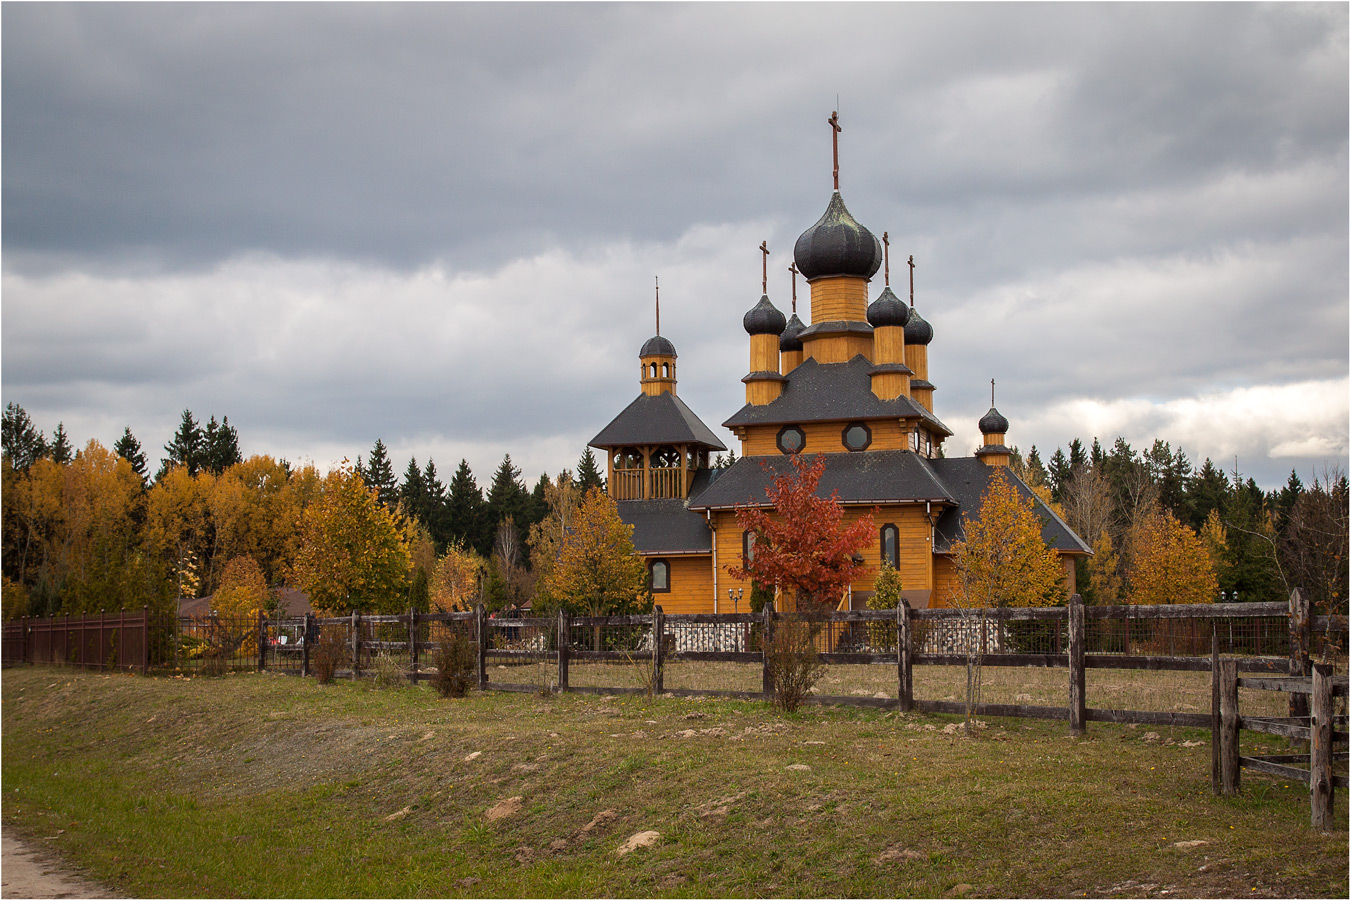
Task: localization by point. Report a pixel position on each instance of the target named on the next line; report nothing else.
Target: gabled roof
(967, 478)
(831, 392)
(884, 476)
(659, 419)
(665, 526)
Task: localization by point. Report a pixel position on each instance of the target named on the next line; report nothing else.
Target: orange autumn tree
(456, 581)
(1170, 563)
(597, 572)
(1002, 559)
(241, 596)
(802, 543)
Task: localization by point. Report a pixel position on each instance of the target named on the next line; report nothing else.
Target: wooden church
(852, 385)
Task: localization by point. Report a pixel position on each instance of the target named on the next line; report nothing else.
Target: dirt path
(33, 871)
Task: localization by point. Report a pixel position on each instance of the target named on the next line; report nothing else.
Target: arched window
(665, 370)
(747, 547)
(659, 574)
(890, 545)
(914, 440)
(653, 370)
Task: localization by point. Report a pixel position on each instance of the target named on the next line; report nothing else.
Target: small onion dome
(764, 318)
(887, 309)
(837, 245)
(791, 337)
(657, 346)
(917, 330)
(993, 423)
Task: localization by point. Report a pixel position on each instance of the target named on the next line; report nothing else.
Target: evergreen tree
(23, 443)
(185, 448)
(1059, 474)
(220, 446)
(379, 475)
(1251, 568)
(1078, 457)
(129, 449)
(437, 520)
(465, 514)
(1286, 498)
(588, 473)
(1209, 492)
(413, 491)
(61, 452)
(1098, 455)
(1036, 467)
(507, 496)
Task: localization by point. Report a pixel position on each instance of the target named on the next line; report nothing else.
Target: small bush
(456, 665)
(389, 672)
(881, 635)
(791, 658)
(329, 654)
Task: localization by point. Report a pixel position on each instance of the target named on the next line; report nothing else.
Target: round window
(791, 439)
(857, 436)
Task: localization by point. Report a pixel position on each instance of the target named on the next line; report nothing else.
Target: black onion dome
(993, 423)
(657, 346)
(791, 339)
(837, 245)
(887, 309)
(917, 330)
(764, 318)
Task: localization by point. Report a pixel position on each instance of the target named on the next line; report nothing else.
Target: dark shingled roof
(993, 422)
(764, 318)
(917, 329)
(967, 479)
(657, 346)
(790, 339)
(829, 393)
(887, 310)
(665, 526)
(659, 419)
(884, 476)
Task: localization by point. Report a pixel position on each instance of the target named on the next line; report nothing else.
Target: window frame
(651, 573)
(790, 428)
(895, 531)
(843, 436)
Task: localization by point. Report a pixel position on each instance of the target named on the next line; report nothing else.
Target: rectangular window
(660, 576)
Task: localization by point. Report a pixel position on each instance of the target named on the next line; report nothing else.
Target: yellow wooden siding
(691, 583)
(837, 348)
(825, 437)
(840, 299)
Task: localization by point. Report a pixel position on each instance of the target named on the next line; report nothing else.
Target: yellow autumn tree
(455, 583)
(352, 556)
(1104, 579)
(1002, 560)
(242, 594)
(254, 512)
(1170, 563)
(178, 526)
(546, 536)
(597, 571)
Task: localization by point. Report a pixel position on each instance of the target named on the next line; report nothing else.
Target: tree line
(90, 529)
(1146, 514)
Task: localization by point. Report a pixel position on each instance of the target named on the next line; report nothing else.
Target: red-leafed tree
(802, 543)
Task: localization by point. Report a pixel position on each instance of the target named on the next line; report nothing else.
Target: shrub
(881, 635)
(389, 672)
(329, 654)
(791, 658)
(456, 665)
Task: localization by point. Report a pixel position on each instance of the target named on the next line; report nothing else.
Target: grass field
(263, 785)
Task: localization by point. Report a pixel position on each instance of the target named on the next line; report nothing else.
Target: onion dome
(993, 423)
(917, 330)
(791, 337)
(837, 245)
(657, 346)
(887, 309)
(764, 318)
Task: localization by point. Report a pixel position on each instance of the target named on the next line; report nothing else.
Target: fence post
(903, 656)
(658, 657)
(412, 644)
(1300, 643)
(1230, 768)
(564, 641)
(308, 636)
(1215, 725)
(1077, 673)
(262, 640)
(1320, 786)
(480, 627)
(121, 635)
(356, 645)
(764, 645)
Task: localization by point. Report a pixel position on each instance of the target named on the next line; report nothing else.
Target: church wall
(691, 585)
(824, 437)
(838, 300)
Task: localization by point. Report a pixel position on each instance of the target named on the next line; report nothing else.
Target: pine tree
(413, 491)
(465, 515)
(379, 475)
(588, 473)
(220, 446)
(129, 449)
(1209, 491)
(1059, 474)
(23, 443)
(507, 496)
(185, 448)
(437, 519)
(61, 452)
(1078, 457)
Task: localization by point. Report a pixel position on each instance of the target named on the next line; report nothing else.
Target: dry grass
(263, 785)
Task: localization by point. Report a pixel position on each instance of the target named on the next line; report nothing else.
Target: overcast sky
(439, 224)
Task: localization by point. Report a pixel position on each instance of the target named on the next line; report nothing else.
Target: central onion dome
(917, 330)
(837, 245)
(764, 318)
(790, 339)
(993, 423)
(657, 346)
(886, 310)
